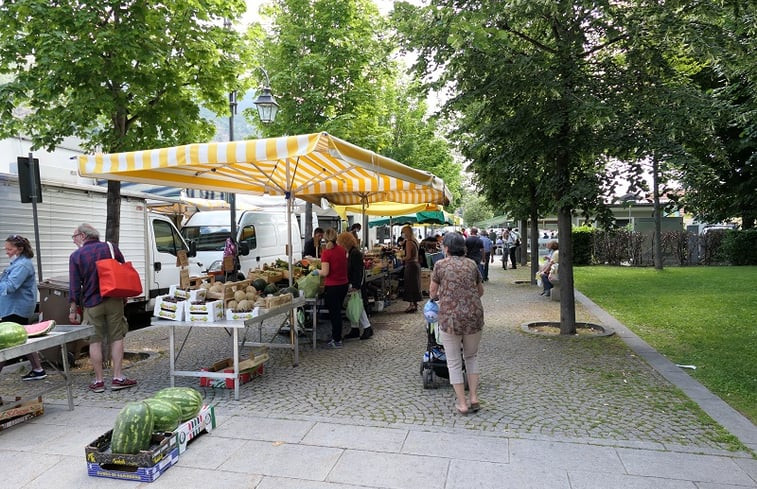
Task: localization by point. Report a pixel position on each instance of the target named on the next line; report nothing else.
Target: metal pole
(33, 185)
(232, 198)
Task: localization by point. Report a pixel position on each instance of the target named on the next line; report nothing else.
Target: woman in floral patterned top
(457, 284)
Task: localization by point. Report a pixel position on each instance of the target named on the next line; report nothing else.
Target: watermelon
(133, 428)
(271, 289)
(165, 414)
(260, 284)
(39, 329)
(189, 400)
(12, 334)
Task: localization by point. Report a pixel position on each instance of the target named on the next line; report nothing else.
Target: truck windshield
(207, 238)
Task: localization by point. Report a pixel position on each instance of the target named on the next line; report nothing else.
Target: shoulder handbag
(117, 279)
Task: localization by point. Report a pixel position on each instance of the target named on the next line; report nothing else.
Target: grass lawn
(703, 316)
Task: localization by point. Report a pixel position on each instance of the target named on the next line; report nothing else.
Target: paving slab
(671, 465)
(283, 483)
(356, 437)
(210, 451)
(593, 480)
(566, 456)
(458, 446)
(464, 474)
(183, 476)
(266, 429)
(388, 470)
(283, 460)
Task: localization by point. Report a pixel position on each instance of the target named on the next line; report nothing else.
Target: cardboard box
(425, 280)
(29, 407)
(162, 444)
(194, 295)
(238, 316)
(133, 472)
(19, 414)
(169, 310)
(204, 422)
(208, 311)
(248, 370)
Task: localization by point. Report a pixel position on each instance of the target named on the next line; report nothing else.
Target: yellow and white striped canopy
(384, 209)
(310, 166)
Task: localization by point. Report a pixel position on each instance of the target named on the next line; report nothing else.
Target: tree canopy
(331, 69)
(117, 75)
(545, 84)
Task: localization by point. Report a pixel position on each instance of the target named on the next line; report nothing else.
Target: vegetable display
(133, 428)
(12, 334)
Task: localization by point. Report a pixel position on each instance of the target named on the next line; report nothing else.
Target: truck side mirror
(244, 249)
(192, 249)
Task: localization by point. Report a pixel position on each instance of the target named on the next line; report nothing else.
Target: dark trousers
(512, 256)
(334, 298)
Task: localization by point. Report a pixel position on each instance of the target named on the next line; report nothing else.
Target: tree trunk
(657, 214)
(565, 272)
(113, 221)
(523, 231)
(534, 237)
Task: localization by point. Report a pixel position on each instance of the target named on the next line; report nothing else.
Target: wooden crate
(228, 290)
(277, 300)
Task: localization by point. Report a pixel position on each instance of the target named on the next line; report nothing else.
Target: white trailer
(148, 240)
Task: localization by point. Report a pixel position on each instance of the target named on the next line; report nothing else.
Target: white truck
(261, 237)
(149, 240)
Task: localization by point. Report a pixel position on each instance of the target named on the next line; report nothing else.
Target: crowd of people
(456, 285)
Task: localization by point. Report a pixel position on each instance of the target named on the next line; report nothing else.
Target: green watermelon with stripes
(133, 428)
(12, 334)
(189, 400)
(165, 414)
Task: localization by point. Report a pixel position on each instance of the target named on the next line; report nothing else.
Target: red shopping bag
(117, 279)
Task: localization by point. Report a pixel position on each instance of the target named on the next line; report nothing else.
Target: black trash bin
(54, 304)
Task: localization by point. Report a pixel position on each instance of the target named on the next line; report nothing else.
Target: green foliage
(118, 75)
(692, 315)
(331, 70)
(618, 247)
(475, 208)
(582, 245)
(329, 65)
(719, 179)
(542, 93)
(740, 247)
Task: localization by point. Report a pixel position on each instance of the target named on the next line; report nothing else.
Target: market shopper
(18, 293)
(412, 271)
(106, 314)
(457, 284)
(334, 269)
(356, 275)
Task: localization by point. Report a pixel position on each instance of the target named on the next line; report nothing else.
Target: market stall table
(294, 343)
(61, 335)
(235, 326)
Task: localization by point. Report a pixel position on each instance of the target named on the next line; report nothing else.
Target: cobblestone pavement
(591, 389)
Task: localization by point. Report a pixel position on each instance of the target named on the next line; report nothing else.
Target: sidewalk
(556, 413)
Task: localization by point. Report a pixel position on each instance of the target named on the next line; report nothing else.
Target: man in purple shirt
(106, 314)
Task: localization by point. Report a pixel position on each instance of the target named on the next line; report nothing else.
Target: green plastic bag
(309, 285)
(354, 307)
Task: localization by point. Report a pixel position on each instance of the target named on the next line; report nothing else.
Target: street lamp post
(266, 103)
